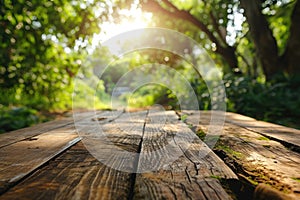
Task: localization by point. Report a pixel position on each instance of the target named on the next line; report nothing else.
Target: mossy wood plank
(252, 155)
(176, 164)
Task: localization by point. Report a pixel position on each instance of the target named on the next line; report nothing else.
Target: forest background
(44, 45)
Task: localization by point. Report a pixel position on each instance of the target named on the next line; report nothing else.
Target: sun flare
(133, 19)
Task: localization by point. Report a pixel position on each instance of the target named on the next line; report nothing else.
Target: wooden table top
(149, 154)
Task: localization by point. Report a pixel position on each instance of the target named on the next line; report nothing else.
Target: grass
(183, 118)
(230, 151)
(252, 182)
(296, 179)
(216, 177)
(263, 138)
(201, 134)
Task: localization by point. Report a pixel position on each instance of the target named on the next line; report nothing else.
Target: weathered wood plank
(24, 153)
(119, 139)
(20, 159)
(176, 164)
(25, 133)
(76, 174)
(281, 133)
(275, 131)
(253, 156)
(73, 175)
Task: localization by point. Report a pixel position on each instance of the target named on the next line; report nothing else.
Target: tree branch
(245, 60)
(227, 52)
(153, 6)
(217, 28)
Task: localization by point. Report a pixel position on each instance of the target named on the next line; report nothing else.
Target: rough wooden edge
(15, 180)
(250, 124)
(285, 135)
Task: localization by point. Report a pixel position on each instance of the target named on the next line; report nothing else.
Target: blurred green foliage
(44, 46)
(276, 101)
(15, 118)
(153, 94)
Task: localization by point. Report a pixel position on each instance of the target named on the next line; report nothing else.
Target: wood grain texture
(21, 158)
(76, 174)
(281, 133)
(176, 164)
(31, 149)
(25, 150)
(114, 147)
(114, 142)
(275, 131)
(25, 133)
(254, 156)
(73, 175)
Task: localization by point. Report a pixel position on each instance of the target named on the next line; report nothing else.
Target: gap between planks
(80, 176)
(191, 176)
(35, 146)
(250, 154)
(175, 164)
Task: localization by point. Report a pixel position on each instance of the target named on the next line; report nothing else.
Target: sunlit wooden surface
(51, 161)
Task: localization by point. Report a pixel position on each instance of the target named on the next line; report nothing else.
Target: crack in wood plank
(186, 169)
(136, 161)
(22, 157)
(170, 173)
(251, 154)
(72, 176)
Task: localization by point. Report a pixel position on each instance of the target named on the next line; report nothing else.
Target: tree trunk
(228, 54)
(291, 57)
(263, 38)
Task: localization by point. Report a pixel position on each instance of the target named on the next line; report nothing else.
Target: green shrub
(274, 101)
(16, 118)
